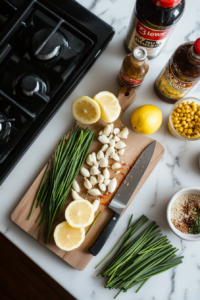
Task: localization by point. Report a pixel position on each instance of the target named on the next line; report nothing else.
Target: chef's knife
(123, 195)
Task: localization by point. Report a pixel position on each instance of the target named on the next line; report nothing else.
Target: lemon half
(68, 238)
(110, 107)
(85, 110)
(79, 213)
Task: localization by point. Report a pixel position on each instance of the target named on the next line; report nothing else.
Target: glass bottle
(134, 68)
(181, 73)
(152, 23)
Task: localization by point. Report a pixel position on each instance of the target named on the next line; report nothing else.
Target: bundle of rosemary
(55, 186)
(139, 259)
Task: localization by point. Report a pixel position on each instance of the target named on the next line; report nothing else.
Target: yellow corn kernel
(185, 131)
(192, 112)
(178, 110)
(190, 131)
(181, 129)
(188, 115)
(186, 125)
(183, 110)
(198, 113)
(184, 118)
(188, 119)
(177, 115)
(180, 105)
(190, 125)
(195, 116)
(193, 123)
(176, 125)
(183, 122)
(176, 122)
(186, 106)
(196, 131)
(181, 115)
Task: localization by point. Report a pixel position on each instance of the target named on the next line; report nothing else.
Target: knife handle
(104, 235)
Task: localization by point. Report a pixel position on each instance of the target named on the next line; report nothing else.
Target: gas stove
(46, 47)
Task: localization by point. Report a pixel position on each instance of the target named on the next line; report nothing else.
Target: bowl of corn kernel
(184, 119)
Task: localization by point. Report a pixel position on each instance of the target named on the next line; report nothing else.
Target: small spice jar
(134, 68)
(183, 121)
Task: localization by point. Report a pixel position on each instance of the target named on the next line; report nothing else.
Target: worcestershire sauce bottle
(152, 23)
(180, 74)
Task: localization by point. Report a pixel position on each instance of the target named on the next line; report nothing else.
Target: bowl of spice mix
(184, 119)
(183, 214)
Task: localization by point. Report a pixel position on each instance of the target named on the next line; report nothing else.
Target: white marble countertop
(179, 168)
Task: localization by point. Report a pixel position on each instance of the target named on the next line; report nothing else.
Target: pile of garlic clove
(112, 148)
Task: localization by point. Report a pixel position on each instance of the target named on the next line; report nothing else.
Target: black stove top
(46, 47)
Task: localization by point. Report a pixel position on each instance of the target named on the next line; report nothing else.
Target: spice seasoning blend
(185, 213)
(152, 23)
(134, 68)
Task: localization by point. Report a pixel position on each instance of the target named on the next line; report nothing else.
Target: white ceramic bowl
(184, 236)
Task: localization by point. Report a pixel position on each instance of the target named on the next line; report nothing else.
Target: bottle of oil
(180, 74)
(134, 68)
(152, 23)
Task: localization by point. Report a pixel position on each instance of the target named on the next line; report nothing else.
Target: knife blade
(123, 195)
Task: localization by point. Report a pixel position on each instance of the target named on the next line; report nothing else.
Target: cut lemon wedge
(86, 110)
(79, 213)
(110, 107)
(68, 238)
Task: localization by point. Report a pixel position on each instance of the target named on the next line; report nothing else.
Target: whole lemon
(146, 119)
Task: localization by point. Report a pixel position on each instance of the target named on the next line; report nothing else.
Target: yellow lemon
(146, 119)
(110, 107)
(79, 213)
(86, 110)
(68, 238)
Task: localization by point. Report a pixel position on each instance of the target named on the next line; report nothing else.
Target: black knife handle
(104, 235)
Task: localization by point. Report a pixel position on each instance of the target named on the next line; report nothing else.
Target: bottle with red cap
(180, 74)
(152, 23)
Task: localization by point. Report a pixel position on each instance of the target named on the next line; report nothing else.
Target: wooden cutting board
(136, 143)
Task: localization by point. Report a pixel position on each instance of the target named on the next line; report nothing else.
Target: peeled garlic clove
(116, 166)
(116, 138)
(112, 127)
(94, 171)
(87, 184)
(102, 187)
(112, 185)
(100, 154)
(106, 181)
(94, 192)
(107, 130)
(85, 172)
(121, 151)
(103, 139)
(96, 204)
(120, 145)
(116, 130)
(115, 157)
(76, 196)
(112, 143)
(110, 151)
(104, 148)
(100, 178)
(124, 133)
(93, 180)
(96, 164)
(110, 137)
(76, 186)
(89, 160)
(100, 132)
(94, 158)
(106, 173)
(103, 162)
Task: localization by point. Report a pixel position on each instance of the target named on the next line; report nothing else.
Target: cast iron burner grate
(46, 47)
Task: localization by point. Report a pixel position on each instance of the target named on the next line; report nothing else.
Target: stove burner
(30, 85)
(51, 48)
(33, 85)
(5, 128)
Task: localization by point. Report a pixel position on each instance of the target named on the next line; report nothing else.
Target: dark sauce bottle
(152, 23)
(180, 74)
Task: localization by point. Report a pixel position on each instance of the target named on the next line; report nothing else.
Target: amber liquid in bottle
(133, 70)
(180, 74)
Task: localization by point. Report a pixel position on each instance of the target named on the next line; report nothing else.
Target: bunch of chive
(140, 258)
(55, 186)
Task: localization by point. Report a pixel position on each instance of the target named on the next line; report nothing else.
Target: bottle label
(128, 81)
(152, 40)
(172, 87)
